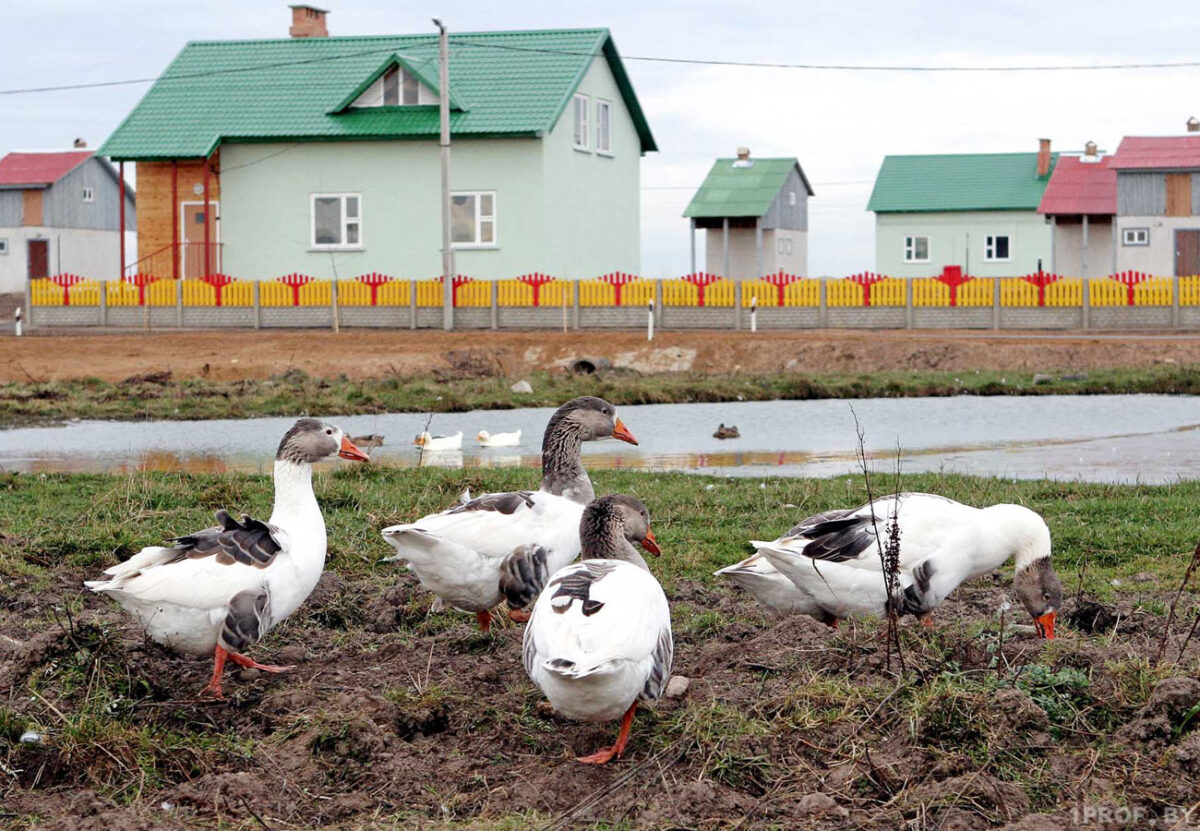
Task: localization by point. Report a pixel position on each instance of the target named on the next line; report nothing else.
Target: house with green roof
(978, 211)
(319, 155)
(754, 214)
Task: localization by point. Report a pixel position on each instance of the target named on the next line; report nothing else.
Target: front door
(39, 259)
(1187, 252)
(192, 217)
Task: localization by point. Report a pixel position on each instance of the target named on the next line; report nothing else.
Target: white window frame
(604, 128)
(910, 248)
(346, 222)
(989, 248)
(480, 218)
(89, 195)
(1130, 237)
(3, 245)
(581, 136)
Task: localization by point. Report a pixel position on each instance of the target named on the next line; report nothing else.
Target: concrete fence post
(908, 303)
(179, 303)
(412, 304)
(996, 302)
(494, 292)
(823, 306)
(29, 302)
(1175, 302)
(257, 306)
(103, 304)
(1087, 303)
(334, 314)
(737, 305)
(658, 303)
(575, 287)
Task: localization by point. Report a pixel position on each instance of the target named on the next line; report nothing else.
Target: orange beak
(1045, 625)
(349, 451)
(650, 544)
(620, 431)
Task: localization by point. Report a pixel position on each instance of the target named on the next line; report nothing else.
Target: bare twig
(421, 452)
(1188, 639)
(253, 813)
(1187, 576)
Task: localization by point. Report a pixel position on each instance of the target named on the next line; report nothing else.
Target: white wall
(1158, 257)
(959, 238)
(94, 255)
(1069, 255)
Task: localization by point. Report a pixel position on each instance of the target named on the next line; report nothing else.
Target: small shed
(754, 213)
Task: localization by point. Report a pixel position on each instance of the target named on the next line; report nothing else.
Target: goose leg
(606, 754)
(249, 663)
(485, 621)
(213, 687)
(518, 615)
(927, 620)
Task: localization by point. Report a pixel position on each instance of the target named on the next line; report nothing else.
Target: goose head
(484, 435)
(610, 526)
(310, 440)
(591, 419)
(1036, 583)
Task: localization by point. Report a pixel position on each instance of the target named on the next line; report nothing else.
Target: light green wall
(559, 210)
(593, 224)
(959, 238)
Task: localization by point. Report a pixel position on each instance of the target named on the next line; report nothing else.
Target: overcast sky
(839, 124)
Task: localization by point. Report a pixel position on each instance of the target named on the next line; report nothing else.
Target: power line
(643, 58)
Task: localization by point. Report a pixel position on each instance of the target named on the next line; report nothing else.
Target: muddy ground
(257, 355)
(393, 720)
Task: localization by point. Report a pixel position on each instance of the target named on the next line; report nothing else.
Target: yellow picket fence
(474, 295)
(1189, 290)
(200, 293)
(600, 293)
(929, 291)
(686, 293)
(519, 293)
(1157, 291)
(315, 293)
(890, 291)
(1061, 293)
(802, 293)
(358, 293)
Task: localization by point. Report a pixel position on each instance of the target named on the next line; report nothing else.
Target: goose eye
(1045, 595)
(328, 432)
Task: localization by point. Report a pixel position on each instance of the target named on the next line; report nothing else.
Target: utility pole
(444, 111)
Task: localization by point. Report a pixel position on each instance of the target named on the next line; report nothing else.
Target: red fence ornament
(866, 279)
(141, 281)
(953, 277)
(218, 282)
(537, 280)
(701, 280)
(295, 280)
(374, 280)
(1129, 279)
(618, 280)
(1041, 279)
(460, 280)
(65, 281)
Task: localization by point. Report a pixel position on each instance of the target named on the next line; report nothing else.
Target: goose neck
(563, 473)
(294, 497)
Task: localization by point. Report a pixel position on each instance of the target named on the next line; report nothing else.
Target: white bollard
(754, 313)
(650, 321)
(17, 322)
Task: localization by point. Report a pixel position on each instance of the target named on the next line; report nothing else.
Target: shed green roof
(502, 83)
(742, 191)
(959, 182)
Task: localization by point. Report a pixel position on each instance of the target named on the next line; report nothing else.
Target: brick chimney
(308, 22)
(80, 144)
(743, 154)
(1193, 125)
(1043, 168)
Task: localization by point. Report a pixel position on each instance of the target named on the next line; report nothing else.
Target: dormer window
(396, 87)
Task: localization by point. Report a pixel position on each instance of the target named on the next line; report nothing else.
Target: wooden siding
(1141, 194)
(1179, 194)
(10, 208)
(1196, 194)
(783, 215)
(31, 207)
(65, 208)
(154, 199)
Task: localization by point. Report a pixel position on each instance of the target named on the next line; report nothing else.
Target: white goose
(599, 640)
(472, 556)
(487, 439)
(220, 590)
(833, 559)
(429, 442)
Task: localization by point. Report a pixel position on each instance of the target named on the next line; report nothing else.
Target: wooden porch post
(692, 235)
(207, 219)
(725, 248)
(175, 220)
(121, 187)
(758, 242)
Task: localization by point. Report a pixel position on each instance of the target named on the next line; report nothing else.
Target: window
(3, 246)
(604, 128)
(784, 245)
(916, 249)
(581, 122)
(1135, 236)
(89, 195)
(996, 248)
(397, 87)
(473, 219)
(337, 220)
(791, 197)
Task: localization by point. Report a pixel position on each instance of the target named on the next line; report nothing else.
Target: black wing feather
(250, 542)
(505, 503)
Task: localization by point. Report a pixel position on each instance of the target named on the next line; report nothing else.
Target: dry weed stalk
(1187, 577)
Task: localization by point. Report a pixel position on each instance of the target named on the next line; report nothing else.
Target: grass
(295, 391)
(761, 725)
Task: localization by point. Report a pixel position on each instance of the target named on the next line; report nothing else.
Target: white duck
(431, 443)
(833, 559)
(468, 555)
(599, 640)
(220, 590)
(487, 439)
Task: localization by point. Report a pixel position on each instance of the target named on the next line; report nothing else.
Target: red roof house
(1158, 153)
(33, 170)
(1078, 187)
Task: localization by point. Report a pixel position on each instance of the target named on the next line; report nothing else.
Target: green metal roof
(959, 182)
(742, 191)
(502, 83)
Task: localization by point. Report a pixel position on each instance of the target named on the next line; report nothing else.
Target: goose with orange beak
(501, 546)
(599, 641)
(218, 591)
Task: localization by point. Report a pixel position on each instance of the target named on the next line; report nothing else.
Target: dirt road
(243, 355)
